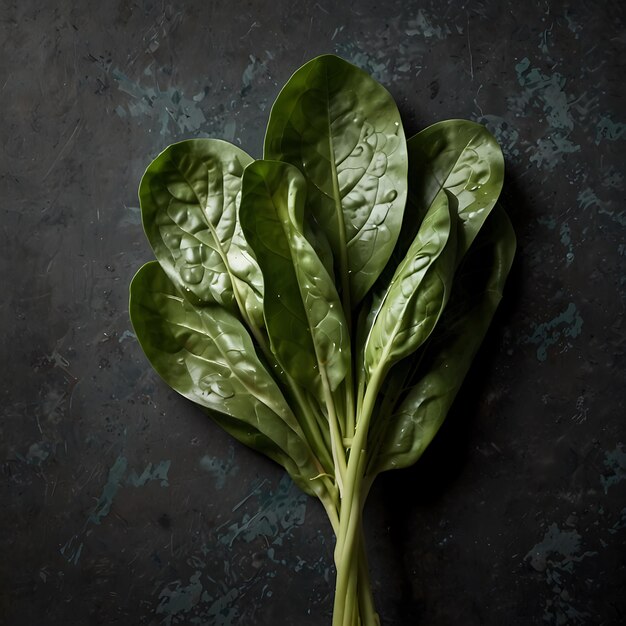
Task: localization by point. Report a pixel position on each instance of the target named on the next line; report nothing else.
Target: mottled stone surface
(122, 504)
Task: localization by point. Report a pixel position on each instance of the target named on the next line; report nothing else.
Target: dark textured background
(122, 504)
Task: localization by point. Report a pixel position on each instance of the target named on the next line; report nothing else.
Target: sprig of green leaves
(324, 304)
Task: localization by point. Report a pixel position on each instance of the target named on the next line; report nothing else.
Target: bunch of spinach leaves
(324, 304)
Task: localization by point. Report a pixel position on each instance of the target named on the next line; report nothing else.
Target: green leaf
(417, 293)
(343, 131)
(189, 199)
(303, 314)
(464, 159)
(400, 438)
(206, 355)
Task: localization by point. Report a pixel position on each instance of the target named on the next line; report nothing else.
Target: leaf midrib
(218, 243)
(343, 249)
(387, 346)
(447, 176)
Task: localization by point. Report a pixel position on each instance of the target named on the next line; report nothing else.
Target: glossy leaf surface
(463, 158)
(206, 355)
(189, 201)
(343, 131)
(402, 437)
(418, 291)
(303, 314)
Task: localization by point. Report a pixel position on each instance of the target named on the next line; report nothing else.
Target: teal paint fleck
(255, 68)
(277, 516)
(548, 221)
(588, 198)
(387, 66)
(521, 67)
(38, 452)
(566, 325)
(177, 598)
(222, 612)
(615, 462)
(158, 472)
(127, 334)
(114, 481)
(424, 26)
(607, 129)
(206, 597)
(505, 133)
(543, 39)
(563, 544)
(572, 25)
(230, 127)
(566, 240)
(545, 93)
(374, 62)
(167, 107)
(177, 601)
(612, 179)
(556, 556)
(220, 469)
(548, 151)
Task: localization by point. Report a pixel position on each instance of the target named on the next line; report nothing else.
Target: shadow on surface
(417, 492)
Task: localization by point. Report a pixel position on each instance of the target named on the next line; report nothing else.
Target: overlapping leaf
(189, 199)
(303, 314)
(343, 131)
(417, 293)
(462, 158)
(401, 437)
(206, 355)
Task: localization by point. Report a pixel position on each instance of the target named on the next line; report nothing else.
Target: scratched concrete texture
(123, 504)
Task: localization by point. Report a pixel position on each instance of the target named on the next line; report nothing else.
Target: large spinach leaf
(189, 199)
(343, 131)
(462, 158)
(303, 314)
(206, 355)
(417, 292)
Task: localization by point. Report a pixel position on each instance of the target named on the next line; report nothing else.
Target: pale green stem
(351, 508)
(356, 606)
(351, 616)
(387, 404)
(335, 433)
(369, 617)
(345, 556)
(350, 417)
(366, 609)
(310, 419)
